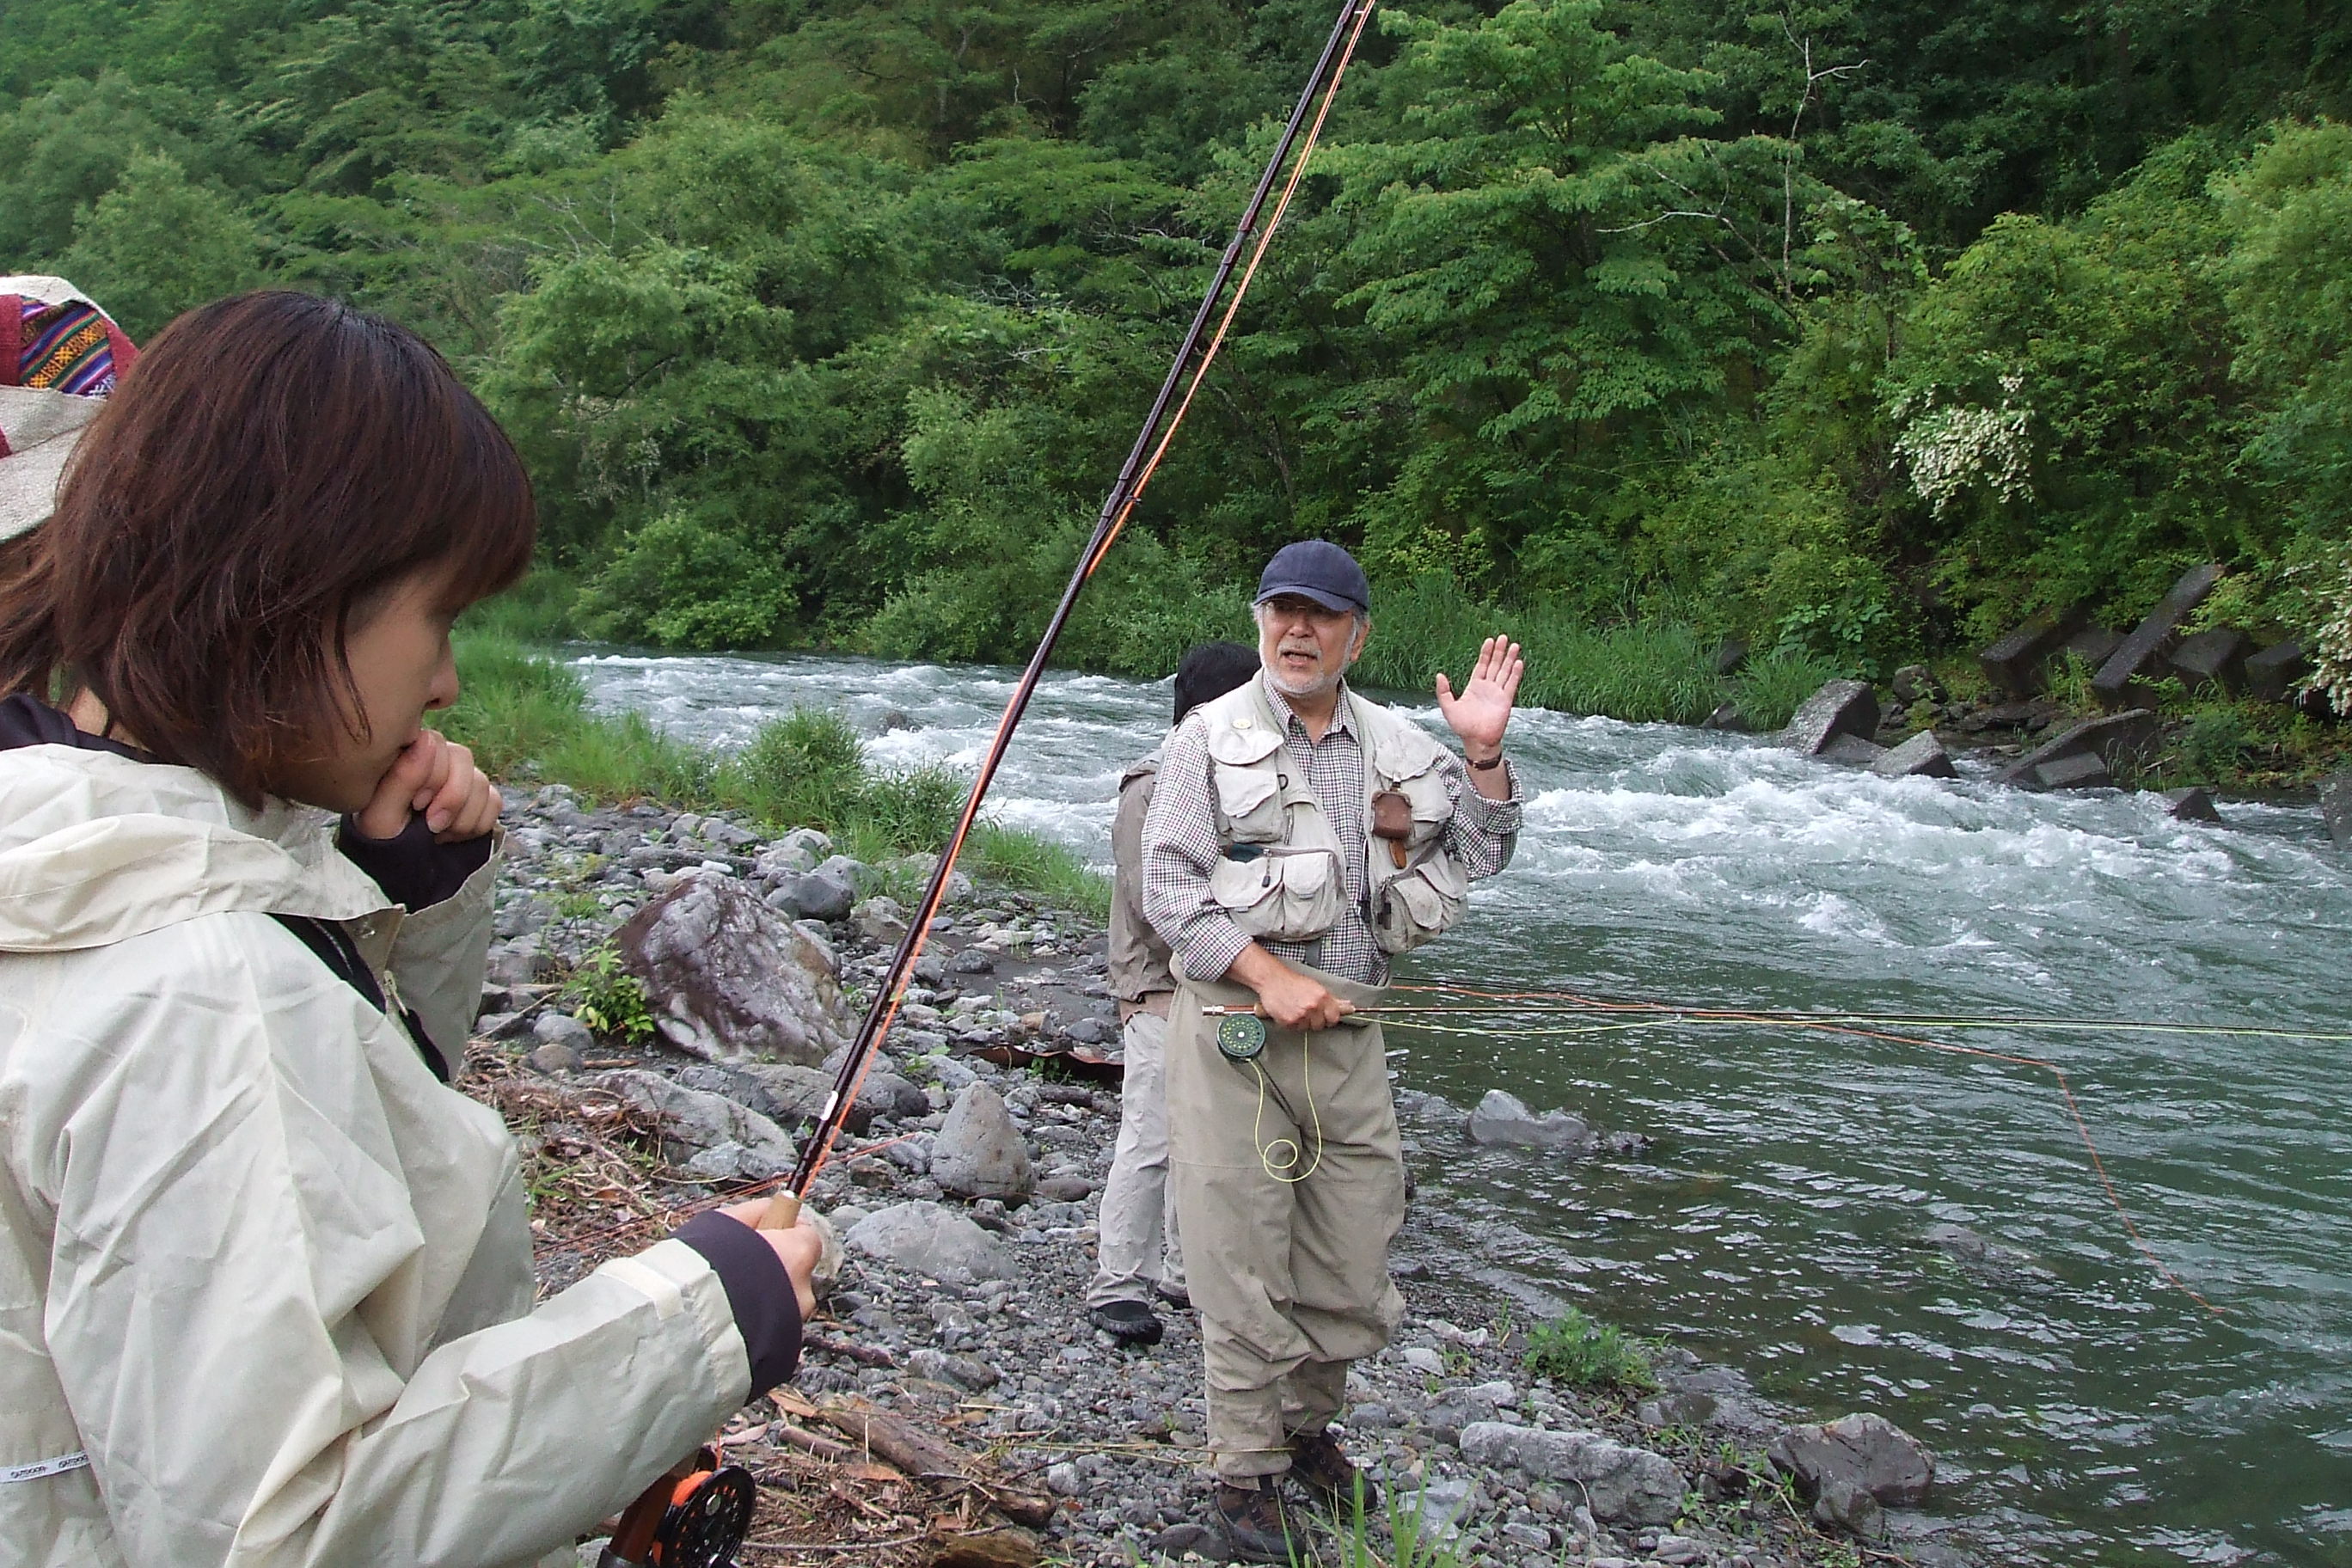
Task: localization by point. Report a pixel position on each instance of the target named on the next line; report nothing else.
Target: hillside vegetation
(1857, 329)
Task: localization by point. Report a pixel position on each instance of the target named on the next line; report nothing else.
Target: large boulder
(2062, 762)
(796, 1095)
(2115, 685)
(1619, 1484)
(1864, 1451)
(730, 979)
(710, 1135)
(980, 1154)
(1838, 708)
(1503, 1117)
(1922, 756)
(802, 897)
(932, 1241)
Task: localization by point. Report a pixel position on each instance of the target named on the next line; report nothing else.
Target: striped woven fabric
(65, 348)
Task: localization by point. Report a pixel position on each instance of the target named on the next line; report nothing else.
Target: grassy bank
(1643, 672)
(528, 721)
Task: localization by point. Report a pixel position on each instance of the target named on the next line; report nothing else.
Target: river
(2083, 1408)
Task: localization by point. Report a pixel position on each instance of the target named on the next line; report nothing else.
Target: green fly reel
(1241, 1037)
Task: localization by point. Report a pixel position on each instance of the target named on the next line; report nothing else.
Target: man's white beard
(1298, 690)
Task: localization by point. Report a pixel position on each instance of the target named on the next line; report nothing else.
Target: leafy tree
(157, 243)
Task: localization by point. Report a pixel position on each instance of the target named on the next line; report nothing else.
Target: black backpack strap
(334, 947)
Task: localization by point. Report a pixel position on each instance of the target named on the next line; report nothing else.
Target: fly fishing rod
(697, 1515)
(1142, 459)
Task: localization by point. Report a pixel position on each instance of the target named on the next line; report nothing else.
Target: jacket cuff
(413, 869)
(758, 1291)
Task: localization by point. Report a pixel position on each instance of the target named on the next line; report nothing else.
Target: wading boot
(1131, 1323)
(1332, 1479)
(1175, 1296)
(1255, 1525)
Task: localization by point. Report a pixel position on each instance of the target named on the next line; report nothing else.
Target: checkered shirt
(1181, 848)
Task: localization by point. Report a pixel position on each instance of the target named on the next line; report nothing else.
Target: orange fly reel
(698, 1516)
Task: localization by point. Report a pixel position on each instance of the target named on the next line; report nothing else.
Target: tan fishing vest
(1280, 876)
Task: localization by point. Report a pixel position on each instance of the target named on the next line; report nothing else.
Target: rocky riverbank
(964, 1191)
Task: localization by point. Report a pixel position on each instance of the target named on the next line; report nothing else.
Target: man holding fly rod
(1299, 836)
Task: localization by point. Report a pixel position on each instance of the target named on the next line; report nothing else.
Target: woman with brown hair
(266, 1287)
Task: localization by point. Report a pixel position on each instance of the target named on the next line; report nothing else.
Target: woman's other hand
(797, 1248)
(436, 776)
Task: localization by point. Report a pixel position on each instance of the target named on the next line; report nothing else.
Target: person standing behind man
(1298, 836)
(1139, 1254)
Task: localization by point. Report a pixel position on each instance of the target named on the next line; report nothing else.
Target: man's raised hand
(1482, 711)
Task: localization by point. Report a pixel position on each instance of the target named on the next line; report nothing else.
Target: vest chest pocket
(1405, 763)
(1249, 803)
(1417, 905)
(1286, 895)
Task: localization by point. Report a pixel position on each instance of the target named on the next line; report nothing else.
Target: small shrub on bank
(1576, 1350)
(609, 999)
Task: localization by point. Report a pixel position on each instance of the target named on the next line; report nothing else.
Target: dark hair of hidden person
(267, 1291)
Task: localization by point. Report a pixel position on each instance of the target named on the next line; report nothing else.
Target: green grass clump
(1643, 672)
(526, 718)
(1582, 1353)
(1768, 688)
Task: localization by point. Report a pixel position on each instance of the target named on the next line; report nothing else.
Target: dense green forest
(1858, 328)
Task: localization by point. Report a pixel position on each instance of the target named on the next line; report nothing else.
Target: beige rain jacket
(271, 1277)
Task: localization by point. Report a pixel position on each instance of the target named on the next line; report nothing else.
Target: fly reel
(705, 1516)
(1241, 1037)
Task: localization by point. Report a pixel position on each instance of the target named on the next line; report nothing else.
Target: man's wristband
(1490, 764)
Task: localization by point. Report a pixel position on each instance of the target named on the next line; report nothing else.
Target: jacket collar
(97, 847)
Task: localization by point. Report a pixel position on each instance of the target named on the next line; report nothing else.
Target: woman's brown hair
(272, 464)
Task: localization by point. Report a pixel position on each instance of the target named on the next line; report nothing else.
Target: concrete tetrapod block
(2335, 806)
(2194, 804)
(2216, 658)
(2114, 740)
(1838, 708)
(1853, 750)
(2077, 770)
(2273, 674)
(2014, 663)
(1922, 756)
(2094, 644)
(2152, 637)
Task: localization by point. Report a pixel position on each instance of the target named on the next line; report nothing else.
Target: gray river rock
(2081, 1406)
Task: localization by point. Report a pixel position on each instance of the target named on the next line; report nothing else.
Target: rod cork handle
(784, 1212)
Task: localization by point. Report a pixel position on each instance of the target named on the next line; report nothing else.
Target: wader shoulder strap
(333, 946)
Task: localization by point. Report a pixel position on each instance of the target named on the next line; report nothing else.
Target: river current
(1855, 1223)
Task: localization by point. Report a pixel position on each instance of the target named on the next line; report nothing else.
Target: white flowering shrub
(1947, 449)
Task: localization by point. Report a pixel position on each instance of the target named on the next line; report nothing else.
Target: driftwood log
(926, 1456)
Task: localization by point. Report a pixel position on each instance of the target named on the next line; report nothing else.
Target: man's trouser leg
(1289, 1276)
(1136, 1200)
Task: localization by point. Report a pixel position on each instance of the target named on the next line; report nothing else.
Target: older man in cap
(1299, 836)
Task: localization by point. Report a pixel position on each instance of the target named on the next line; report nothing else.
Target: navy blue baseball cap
(1319, 569)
